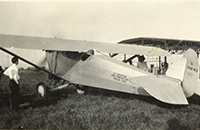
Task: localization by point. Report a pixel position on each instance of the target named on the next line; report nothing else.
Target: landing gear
(44, 90)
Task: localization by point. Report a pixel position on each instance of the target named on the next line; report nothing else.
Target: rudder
(191, 74)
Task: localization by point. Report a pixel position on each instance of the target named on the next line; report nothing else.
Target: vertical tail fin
(191, 74)
(177, 68)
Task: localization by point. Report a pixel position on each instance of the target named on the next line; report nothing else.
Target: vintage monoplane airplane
(82, 63)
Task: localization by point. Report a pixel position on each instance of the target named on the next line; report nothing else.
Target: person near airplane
(142, 64)
(12, 72)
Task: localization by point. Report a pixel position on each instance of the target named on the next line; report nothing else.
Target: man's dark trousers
(14, 87)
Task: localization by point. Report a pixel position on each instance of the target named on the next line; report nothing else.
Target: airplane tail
(188, 68)
(191, 74)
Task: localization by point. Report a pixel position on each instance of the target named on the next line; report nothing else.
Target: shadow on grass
(33, 100)
(195, 99)
(174, 124)
(148, 99)
(54, 97)
(4, 100)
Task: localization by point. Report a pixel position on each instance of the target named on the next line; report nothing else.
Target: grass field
(98, 109)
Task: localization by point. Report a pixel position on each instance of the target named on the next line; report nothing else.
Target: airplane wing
(27, 42)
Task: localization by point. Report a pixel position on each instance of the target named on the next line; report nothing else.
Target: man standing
(12, 72)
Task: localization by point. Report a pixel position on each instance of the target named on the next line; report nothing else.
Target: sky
(102, 21)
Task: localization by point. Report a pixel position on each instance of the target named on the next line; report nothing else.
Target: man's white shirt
(12, 72)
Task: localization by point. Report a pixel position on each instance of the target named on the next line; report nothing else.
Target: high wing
(27, 42)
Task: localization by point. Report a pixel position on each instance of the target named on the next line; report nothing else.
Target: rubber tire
(42, 90)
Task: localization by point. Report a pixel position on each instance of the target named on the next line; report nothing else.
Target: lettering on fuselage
(192, 69)
(119, 77)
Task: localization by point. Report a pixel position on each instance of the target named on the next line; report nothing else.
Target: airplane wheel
(42, 90)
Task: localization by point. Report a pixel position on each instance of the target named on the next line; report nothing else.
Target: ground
(98, 109)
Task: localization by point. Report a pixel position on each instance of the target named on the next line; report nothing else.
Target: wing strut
(3, 49)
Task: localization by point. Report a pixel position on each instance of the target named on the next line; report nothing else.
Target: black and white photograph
(100, 64)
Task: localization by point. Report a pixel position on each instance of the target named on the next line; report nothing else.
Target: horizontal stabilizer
(168, 94)
(162, 89)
